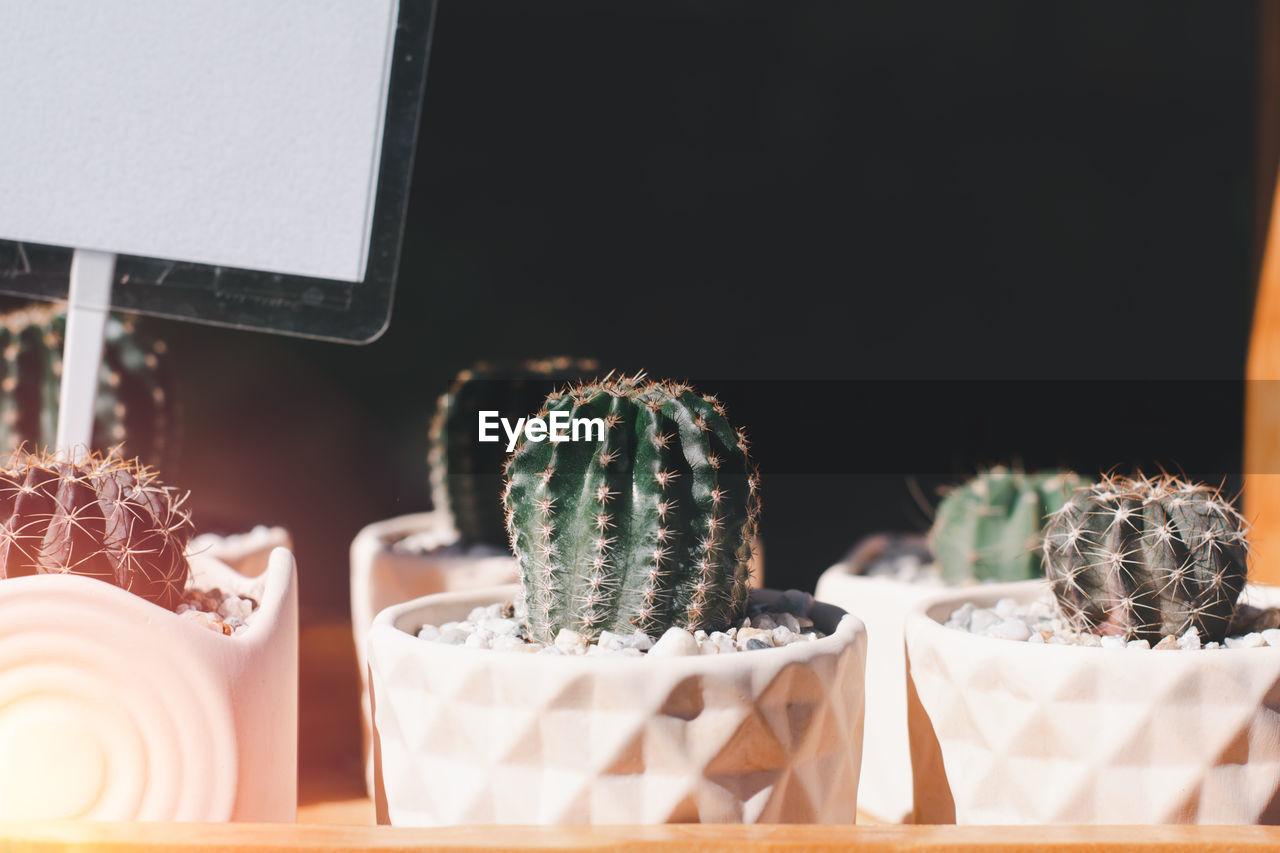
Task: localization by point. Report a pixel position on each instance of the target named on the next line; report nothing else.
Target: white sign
(240, 133)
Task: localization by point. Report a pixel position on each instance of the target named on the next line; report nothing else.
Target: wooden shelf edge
(299, 837)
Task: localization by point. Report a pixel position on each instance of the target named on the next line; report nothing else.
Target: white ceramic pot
(382, 576)
(248, 553)
(479, 736)
(113, 708)
(882, 603)
(1006, 732)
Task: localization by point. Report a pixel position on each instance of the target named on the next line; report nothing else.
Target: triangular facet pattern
(471, 736)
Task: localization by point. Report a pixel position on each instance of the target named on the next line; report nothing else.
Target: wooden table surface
(334, 813)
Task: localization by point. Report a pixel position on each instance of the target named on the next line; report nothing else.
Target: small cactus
(992, 527)
(135, 402)
(649, 528)
(466, 473)
(103, 517)
(1147, 557)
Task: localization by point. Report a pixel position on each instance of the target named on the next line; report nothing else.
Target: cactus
(1143, 558)
(648, 528)
(135, 404)
(103, 517)
(992, 527)
(466, 474)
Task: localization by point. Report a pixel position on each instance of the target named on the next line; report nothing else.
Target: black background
(839, 217)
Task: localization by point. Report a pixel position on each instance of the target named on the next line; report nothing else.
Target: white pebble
(452, 636)
(571, 642)
(676, 641)
(1111, 642)
(1006, 607)
(782, 635)
(1272, 636)
(1248, 641)
(722, 641)
(1189, 640)
(477, 640)
(1009, 629)
(510, 643)
(428, 632)
(1137, 644)
(504, 627)
(640, 641)
(981, 620)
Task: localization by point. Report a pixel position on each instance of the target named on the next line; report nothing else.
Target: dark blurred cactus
(466, 474)
(135, 403)
(991, 528)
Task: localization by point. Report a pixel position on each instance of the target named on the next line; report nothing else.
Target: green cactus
(135, 403)
(466, 473)
(1143, 558)
(648, 528)
(991, 528)
(103, 517)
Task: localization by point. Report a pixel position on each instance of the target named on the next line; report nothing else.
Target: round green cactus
(1143, 558)
(135, 403)
(466, 473)
(648, 527)
(992, 527)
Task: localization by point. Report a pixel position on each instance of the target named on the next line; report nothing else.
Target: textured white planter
(1006, 732)
(381, 577)
(883, 604)
(479, 736)
(113, 708)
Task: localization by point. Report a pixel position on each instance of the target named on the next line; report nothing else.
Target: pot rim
(377, 538)
(389, 625)
(925, 625)
(270, 590)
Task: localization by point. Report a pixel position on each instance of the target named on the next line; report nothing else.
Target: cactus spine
(135, 403)
(466, 474)
(992, 527)
(1146, 557)
(648, 528)
(104, 518)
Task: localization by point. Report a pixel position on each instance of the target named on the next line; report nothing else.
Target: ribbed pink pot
(113, 708)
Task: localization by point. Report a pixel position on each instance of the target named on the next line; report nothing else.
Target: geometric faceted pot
(114, 708)
(472, 736)
(1006, 732)
(382, 576)
(882, 603)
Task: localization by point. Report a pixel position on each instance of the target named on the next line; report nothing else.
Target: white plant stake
(88, 302)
